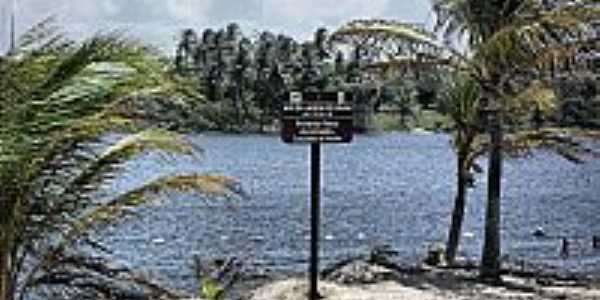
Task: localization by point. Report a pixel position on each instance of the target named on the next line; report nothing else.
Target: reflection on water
(394, 189)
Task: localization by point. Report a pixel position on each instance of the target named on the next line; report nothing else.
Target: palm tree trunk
(236, 105)
(262, 122)
(403, 120)
(490, 261)
(263, 112)
(458, 211)
(6, 278)
(239, 107)
(6, 259)
(7, 242)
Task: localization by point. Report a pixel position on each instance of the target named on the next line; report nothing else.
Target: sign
(317, 117)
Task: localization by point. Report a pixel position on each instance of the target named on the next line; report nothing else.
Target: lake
(392, 189)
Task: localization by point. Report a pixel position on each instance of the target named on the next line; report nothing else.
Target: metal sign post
(316, 118)
(315, 215)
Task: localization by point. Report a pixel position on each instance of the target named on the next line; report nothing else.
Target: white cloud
(301, 18)
(158, 21)
(189, 10)
(321, 10)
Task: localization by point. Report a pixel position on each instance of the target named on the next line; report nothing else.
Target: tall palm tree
(57, 95)
(508, 40)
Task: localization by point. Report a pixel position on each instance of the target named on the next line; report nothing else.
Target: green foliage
(56, 96)
(211, 290)
(386, 122)
(245, 80)
(385, 29)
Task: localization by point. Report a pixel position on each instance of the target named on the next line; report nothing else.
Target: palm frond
(96, 49)
(461, 100)
(566, 143)
(42, 37)
(153, 139)
(536, 96)
(103, 165)
(386, 30)
(87, 277)
(451, 17)
(213, 186)
(105, 214)
(80, 87)
(372, 33)
(522, 43)
(56, 95)
(559, 141)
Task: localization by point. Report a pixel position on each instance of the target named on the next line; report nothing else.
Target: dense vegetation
(245, 81)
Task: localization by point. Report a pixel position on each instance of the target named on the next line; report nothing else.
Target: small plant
(216, 277)
(211, 289)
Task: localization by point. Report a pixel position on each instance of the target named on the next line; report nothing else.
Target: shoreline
(360, 279)
(376, 277)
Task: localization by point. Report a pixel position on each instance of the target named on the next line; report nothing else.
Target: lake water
(392, 189)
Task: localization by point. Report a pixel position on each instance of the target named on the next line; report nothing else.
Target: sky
(159, 22)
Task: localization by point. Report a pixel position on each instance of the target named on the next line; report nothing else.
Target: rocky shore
(374, 277)
(381, 283)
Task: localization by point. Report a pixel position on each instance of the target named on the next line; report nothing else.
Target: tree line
(248, 78)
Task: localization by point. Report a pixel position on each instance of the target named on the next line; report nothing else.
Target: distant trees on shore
(247, 78)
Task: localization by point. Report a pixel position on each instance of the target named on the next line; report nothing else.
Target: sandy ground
(437, 287)
(295, 289)
(359, 279)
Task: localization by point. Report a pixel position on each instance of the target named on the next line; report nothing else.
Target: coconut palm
(511, 42)
(56, 96)
(511, 38)
(460, 101)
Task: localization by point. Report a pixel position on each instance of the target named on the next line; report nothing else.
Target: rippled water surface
(395, 189)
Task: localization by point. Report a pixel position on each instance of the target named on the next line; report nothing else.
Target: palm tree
(460, 101)
(507, 36)
(233, 32)
(263, 63)
(239, 78)
(185, 56)
(508, 40)
(320, 41)
(57, 95)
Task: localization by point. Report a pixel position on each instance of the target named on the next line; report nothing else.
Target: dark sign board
(317, 117)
